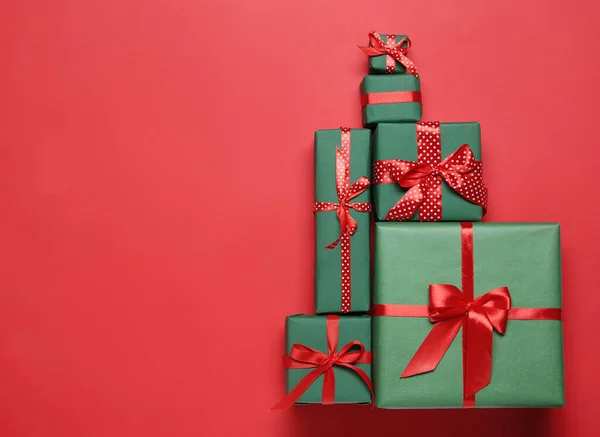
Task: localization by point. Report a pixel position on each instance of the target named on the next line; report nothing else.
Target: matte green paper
(390, 112)
(399, 141)
(328, 276)
(527, 368)
(311, 331)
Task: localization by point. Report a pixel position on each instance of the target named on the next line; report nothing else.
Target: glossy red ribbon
(392, 50)
(390, 97)
(304, 357)
(423, 178)
(450, 309)
(345, 193)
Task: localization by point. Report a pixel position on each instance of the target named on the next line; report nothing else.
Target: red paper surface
(156, 194)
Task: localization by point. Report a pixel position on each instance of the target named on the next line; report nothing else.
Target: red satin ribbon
(423, 178)
(450, 310)
(392, 50)
(348, 225)
(390, 97)
(304, 357)
(404, 310)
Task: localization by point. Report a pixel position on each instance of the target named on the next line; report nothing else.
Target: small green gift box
(342, 213)
(327, 360)
(386, 64)
(428, 171)
(390, 98)
(467, 314)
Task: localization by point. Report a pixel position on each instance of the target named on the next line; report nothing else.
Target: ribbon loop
(395, 50)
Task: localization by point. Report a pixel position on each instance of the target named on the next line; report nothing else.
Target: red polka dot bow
(395, 51)
(347, 224)
(461, 171)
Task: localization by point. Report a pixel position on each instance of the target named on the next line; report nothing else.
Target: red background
(156, 183)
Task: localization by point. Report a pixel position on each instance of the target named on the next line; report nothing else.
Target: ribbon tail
(363, 375)
(295, 394)
(334, 244)
(345, 222)
(433, 348)
(361, 206)
(371, 51)
(479, 354)
(407, 206)
(328, 393)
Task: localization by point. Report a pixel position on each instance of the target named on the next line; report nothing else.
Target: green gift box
(342, 273)
(311, 331)
(526, 361)
(390, 98)
(379, 64)
(428, 142)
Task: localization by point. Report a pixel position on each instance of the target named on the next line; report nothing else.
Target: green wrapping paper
(373, 85)
(310, 330)
(328, 263)
(399, 141)
(527, 363)
(377, 64)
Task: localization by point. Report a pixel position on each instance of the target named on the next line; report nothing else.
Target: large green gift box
(403, 142)
(526, 361)
(342, 273)
(390, 98)
(378, 64)
(311, 331)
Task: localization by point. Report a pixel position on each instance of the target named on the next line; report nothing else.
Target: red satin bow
(395, 50)
(449, 310)
(304, 357)
(460, 170)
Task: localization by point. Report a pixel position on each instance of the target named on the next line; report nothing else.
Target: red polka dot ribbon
(461, 171)
(304, 357)
(393, 50)
(348, 225)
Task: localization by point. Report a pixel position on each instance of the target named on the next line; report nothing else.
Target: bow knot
(348, 225)
(392, 47)
(448, 302)
(449, 310)
(452, 169)
(396, 50)
(351, 353)
(460, 170)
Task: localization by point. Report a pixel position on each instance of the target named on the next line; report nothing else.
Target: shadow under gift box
(527, 361)
(377, 64)
(328, 264)
(403, 91)
(399, 141)
(311, 331)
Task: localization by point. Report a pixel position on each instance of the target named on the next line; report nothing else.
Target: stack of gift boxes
(463, 313)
